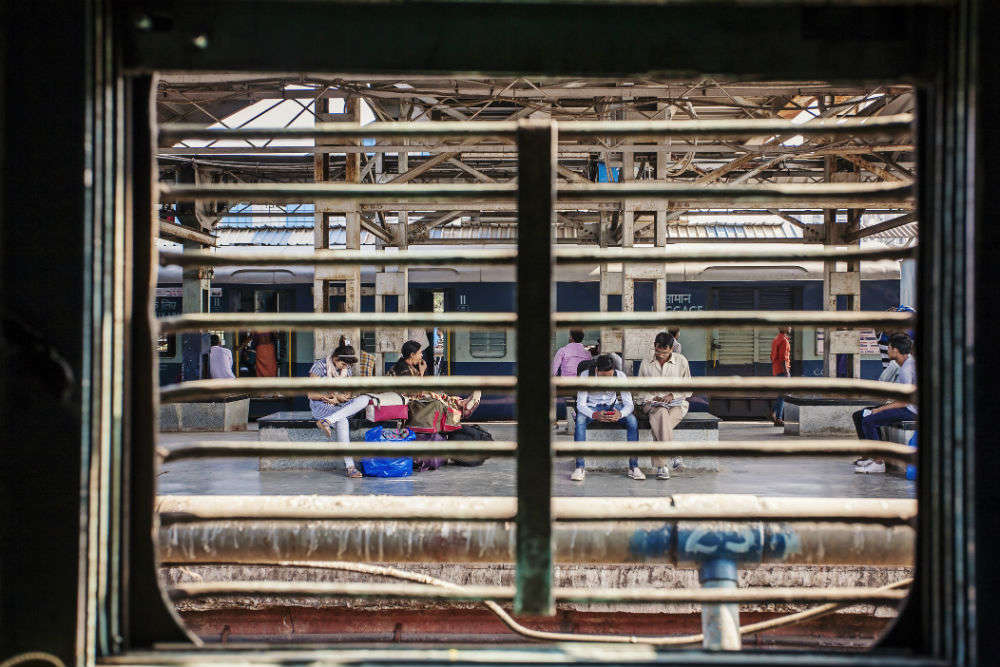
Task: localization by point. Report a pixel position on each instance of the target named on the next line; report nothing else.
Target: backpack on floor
(470, 432)
(432, 462)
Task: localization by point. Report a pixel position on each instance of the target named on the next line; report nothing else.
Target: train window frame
(487, 346)
(133, 615)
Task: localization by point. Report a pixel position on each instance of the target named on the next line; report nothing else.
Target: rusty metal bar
(200, 450)
(536, 187)
(736, 318)
(671, 254)
(825, 195)
(472, 256)
(465, 592)
(310, 321)
(715, 386)
(818, 447)
(688, 507)
(736, 385)
(898, 123)
(682, 543)
(468, 256)
(298, 386)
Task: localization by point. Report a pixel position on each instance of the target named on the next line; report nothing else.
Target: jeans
(630, 423)
(871, 423)
(778, 406)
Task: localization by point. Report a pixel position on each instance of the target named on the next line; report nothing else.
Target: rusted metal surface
(682, 543)
(732, 507)
(813, 447)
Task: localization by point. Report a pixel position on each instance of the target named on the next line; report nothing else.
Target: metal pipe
(894, 124)
(824, 195)
(817, 447)
(466, 592)
(720, 622)
(472, 256)
(707, 507)
(681, 543)
(310, 321)
(716, 386)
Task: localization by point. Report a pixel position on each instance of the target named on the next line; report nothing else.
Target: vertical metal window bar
(536, 193)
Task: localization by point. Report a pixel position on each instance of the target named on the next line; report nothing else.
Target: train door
(747, 352)
(436, 300)
(271, 300)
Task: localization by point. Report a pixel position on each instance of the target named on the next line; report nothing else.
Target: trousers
(337, 419)
(662, 421)
(869, 426)
(630, 424)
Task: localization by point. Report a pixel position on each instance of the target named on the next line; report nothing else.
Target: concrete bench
(300, 426)
(227, 413)
(822, 415)
(696, 426)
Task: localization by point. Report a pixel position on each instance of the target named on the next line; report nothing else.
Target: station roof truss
(243, 100)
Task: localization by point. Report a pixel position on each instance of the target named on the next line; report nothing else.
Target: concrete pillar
(196, 290)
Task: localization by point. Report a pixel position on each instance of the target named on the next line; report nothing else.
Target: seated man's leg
(580, 434)
(870, 424)
(631, 425)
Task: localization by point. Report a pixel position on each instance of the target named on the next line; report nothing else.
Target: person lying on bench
(609, 407)
(331, 409)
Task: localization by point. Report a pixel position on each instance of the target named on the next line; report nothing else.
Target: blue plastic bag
(395, 467)
(911, 470)
(400, 466)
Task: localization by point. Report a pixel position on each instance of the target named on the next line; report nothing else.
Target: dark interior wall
(43, 253)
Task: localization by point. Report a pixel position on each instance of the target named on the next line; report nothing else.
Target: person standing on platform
(781, 366)
(665, 410)
(605, 406)
(267, 357)
(569, 356)
(220, 360)
(332, 409)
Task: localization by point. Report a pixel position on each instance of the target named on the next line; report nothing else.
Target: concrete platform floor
(772, 476)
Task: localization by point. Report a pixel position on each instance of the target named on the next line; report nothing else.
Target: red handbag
(387, 406)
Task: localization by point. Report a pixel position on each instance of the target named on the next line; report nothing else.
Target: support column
(197, 285)
(325, 340)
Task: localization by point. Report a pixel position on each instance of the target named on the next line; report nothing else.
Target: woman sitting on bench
(332, 409)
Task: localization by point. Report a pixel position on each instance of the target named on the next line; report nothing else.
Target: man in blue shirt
(900, 348)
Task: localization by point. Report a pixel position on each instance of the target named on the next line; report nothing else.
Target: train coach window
(488, 344)
(289, 532)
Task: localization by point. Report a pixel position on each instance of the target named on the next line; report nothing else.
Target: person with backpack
(605, 406)
(332, 409)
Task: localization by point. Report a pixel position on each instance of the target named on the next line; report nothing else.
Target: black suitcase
(469, 432)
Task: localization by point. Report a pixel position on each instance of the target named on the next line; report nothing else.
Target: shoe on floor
(677, 463)
(779, 422)
(870, 467)
(863, 461)
(578, 474)
(636, 473)
(354, 473)
(663, 472)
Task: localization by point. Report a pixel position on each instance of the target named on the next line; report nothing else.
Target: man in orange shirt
(781, 365)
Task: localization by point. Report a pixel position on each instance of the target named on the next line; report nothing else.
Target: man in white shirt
(606, 406)
(665, 410)
(220, 360)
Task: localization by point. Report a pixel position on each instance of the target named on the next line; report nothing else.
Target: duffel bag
(433, 416)
(470, 432)
(387, 406)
